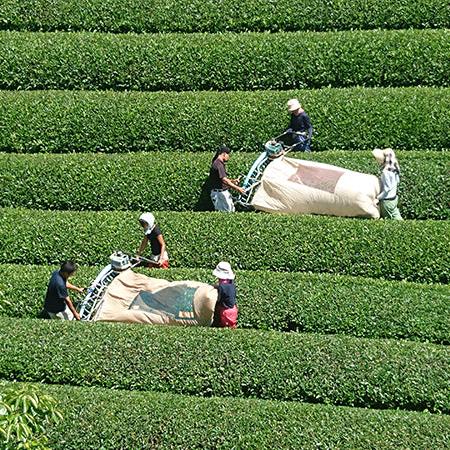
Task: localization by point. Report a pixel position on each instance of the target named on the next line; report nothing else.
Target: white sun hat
(223, 271)
(149, 219)
(293, 105)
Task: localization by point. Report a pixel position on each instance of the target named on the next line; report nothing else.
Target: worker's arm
(72, 308)
(309, 126)
(142, 246)
(163, 248)
(232, 185)
(387, 183)
(74, 288)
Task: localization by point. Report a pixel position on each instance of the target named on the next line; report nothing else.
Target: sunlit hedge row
(345, 119)
(241, 61)
(229, 15)
(409, 250)
(178, 181)
(117, 419)
(280, 301)
(228, 363)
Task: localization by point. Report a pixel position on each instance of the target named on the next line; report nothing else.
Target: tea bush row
(247, 61)
(228, 363)
(178, 181)
(208, 16)
(176, 421)
(316, 303)
(345, 119)
(409, 250)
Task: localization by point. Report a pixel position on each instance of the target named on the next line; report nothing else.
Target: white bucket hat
(293, 105)
(223, 271)
(149, 219)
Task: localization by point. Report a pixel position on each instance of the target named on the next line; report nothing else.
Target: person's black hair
(222, 149)
(68, 267)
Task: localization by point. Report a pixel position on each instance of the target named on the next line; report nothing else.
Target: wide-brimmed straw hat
(293, 105)
(223, 271)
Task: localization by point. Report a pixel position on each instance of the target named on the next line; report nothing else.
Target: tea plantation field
(110, 108)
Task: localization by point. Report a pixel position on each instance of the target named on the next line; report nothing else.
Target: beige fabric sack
(306, 187)
(136, 298)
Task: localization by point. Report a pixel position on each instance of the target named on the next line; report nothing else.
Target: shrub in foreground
(117, 419)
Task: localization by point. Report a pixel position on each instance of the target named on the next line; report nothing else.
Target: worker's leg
(389, 209)
(222, 201)
(229, 201)
(63, 315)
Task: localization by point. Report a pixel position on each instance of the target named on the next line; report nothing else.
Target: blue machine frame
(273, 149)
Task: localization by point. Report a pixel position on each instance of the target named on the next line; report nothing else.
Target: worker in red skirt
(226, 311)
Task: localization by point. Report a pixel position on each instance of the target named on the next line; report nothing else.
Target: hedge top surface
(178, 180)
(228, 61)
(222, 362)
(184, 422)
(409, 250)
(316, 303)
(207, 16)
(117, 122)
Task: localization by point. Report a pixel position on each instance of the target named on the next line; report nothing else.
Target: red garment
(225, 317)
(164, 265)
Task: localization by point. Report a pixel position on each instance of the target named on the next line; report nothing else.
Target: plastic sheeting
(306, 187)
(136, 298)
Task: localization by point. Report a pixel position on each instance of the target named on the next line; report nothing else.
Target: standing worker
(389, 179)
(300, 126)
(57, 301)
(220, 183)
(152, 234)
(226, 310)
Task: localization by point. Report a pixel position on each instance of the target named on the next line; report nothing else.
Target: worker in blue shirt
(57, 301)
(300, 126)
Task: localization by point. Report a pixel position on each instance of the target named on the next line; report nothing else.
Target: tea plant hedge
(281, 301)
(178, 181)
(117, 122)
(109, 419)
(206, 16)
(242, 61)
(232, 363)
(409, 250)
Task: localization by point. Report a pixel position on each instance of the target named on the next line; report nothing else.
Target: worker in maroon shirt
(221, 183)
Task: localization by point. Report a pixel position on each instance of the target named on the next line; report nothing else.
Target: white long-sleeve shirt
(389, 181)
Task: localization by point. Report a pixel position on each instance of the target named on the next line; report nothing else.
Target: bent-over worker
(152, 234)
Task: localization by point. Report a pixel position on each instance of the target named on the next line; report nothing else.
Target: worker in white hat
(226, 311)
(300, 126)
(389, 180)
(152, 234)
